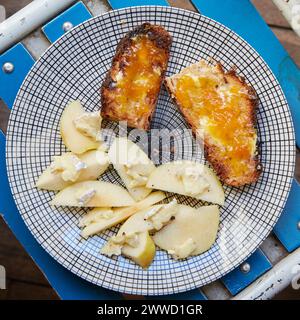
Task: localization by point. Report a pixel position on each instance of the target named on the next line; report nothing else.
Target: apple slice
(150, 219)
(96, 162)
(132, 165)
(75, 140)
(133, 240)
(100, 219)
(93, 194)
(192, 232)
(188, 178)
(138, 247)
(144, 253)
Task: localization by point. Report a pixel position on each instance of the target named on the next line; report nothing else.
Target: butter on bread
(131, 87)
(221, 107)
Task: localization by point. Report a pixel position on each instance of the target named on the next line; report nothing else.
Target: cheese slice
(132, 165)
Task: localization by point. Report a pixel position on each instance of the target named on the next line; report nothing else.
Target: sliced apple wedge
(150, 219)
(188, 178)
(93, 164)
(138, 247)
(73, 138)
(192, 232)
(144, 253)
(100, 219)
(93, 194)
(132, 165)
(133, 239)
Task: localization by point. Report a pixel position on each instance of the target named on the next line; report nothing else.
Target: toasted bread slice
(130, 90)
(221, 109)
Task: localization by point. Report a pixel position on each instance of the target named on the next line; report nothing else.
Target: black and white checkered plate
(73, 68)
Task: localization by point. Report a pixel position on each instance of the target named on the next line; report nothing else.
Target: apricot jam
(224, 115)
(140, 78)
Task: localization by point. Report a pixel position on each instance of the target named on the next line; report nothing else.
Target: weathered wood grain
(290, 41)
(182, 4)
(4, 116)
(270, 13)
(19, 267)
(11, 6)
(29, 291)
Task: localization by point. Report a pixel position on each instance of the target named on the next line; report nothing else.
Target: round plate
(74, 68)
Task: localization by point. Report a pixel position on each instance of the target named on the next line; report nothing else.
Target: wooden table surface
(24, 279)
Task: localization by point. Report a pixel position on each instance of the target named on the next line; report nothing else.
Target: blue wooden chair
(270, 268)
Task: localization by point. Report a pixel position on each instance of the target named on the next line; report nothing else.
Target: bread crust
(210, 149)
(161, 40)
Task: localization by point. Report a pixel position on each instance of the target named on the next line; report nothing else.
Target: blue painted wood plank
(75, 15)
(11, 82)
(66, 284)
(118, 4)
(287, 228)
(237, 280)
(242, 17)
